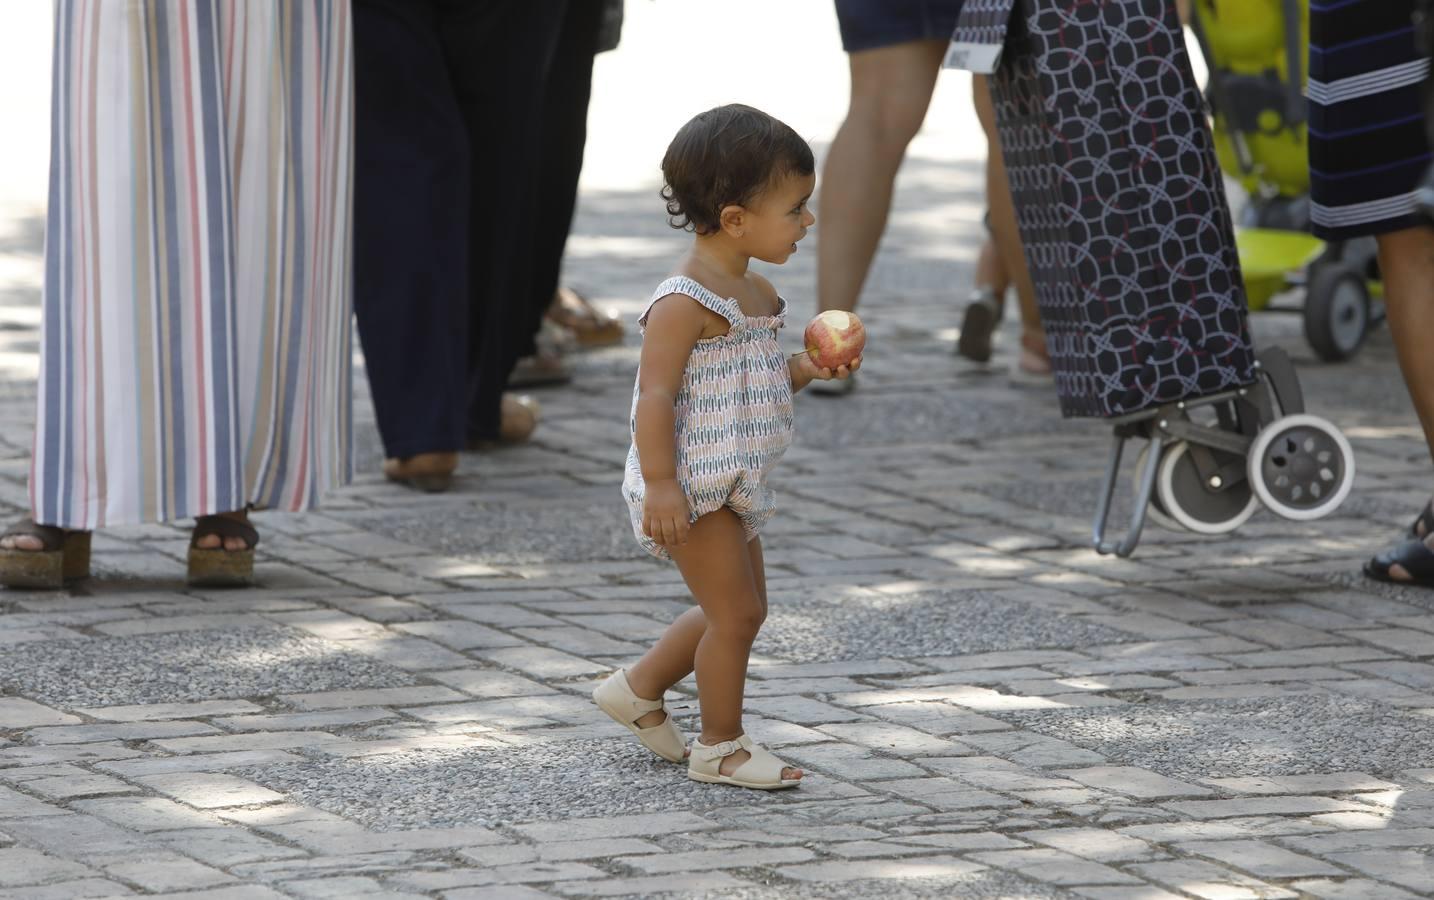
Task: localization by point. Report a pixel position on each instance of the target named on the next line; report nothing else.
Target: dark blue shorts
(868, 24)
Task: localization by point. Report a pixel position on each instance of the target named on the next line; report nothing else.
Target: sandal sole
(221, 568)
(47, 570)
(633, 728)
(750, 785)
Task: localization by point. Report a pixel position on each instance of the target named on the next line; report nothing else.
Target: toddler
(711, 415)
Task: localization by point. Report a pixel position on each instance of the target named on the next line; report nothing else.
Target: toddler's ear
(734, 220)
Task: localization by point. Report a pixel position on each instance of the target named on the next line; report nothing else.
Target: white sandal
(616, 698)
(763, 772)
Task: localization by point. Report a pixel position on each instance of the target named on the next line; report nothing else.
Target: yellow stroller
(1256, 51)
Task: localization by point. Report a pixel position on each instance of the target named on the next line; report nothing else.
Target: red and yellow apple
(834, 338)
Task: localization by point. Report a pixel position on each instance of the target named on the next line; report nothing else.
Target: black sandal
(217, 567)
(1424, 525)
(1416, 558)
(63, 556)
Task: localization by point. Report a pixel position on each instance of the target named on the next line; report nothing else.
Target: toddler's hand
(815, 373)
(665, 513)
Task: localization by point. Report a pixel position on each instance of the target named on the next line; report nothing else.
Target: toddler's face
(779, 219)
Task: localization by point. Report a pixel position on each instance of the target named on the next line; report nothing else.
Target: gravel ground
(1293, 735)
(928, 624)
(502, 535)
(440, 789)
(192, 665)
(989, 884)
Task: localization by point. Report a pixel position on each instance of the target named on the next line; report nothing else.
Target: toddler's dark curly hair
(727, 156)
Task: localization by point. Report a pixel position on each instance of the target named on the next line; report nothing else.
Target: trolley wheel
(1194, 504)
(1336, 311)
(1155, 512)
(1301, 467)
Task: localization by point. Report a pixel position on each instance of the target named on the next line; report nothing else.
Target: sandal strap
(704, 753)
(51, 537)
(224, 527)
(1426, 519)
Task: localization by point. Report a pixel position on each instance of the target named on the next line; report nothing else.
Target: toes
(234, 544)
(791, 774)
(208, 542)
(1399, 573)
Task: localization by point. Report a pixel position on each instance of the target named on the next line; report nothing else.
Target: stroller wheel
(1301, 467)
(1188, 500)
(1336, 311)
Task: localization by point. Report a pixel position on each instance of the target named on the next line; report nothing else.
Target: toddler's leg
(723, 572)
(669, 661)
(674, 655)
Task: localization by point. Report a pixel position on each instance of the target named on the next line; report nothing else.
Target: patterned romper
(734, 416)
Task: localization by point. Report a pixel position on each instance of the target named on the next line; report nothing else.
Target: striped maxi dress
(1368, 144)
(196, 349)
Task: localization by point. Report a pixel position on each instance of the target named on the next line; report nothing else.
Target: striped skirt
(196, 349)
(1368, 144)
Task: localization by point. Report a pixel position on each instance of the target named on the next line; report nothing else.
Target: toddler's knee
(743, 625)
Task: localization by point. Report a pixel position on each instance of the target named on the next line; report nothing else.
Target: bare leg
(1004, 229)
(1406, 259)
(675, 654)
(890, 91)
(669, 661)
(991, 270)
(717, 565)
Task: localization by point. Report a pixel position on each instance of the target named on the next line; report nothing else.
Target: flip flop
(1416, 558)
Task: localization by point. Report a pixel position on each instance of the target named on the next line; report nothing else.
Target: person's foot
(232, 544)
(588, 325)
(978, 324)
(27, 542)
(1032, 365)
(430, 472)
(545, 368)
(1410, 562)
(734, 762)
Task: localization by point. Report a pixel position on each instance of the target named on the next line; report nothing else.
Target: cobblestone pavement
(986, 707)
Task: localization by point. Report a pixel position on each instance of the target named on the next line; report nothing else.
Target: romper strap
(681, 284)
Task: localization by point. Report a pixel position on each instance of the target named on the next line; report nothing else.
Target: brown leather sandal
(590, 326)
(217, 567)
(63, 556)
(431, 473)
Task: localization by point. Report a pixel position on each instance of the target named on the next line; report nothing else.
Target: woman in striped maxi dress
(195, 357)
(1369, 147)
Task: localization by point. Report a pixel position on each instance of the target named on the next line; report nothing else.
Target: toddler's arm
(674, 326)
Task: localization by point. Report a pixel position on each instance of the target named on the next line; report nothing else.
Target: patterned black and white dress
(1368, 143)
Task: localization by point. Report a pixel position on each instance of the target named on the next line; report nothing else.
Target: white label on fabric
(983, 59)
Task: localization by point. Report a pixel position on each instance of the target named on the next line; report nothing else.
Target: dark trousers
(564, 133)
(447, 103)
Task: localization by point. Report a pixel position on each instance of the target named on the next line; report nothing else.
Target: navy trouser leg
(411, 274)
